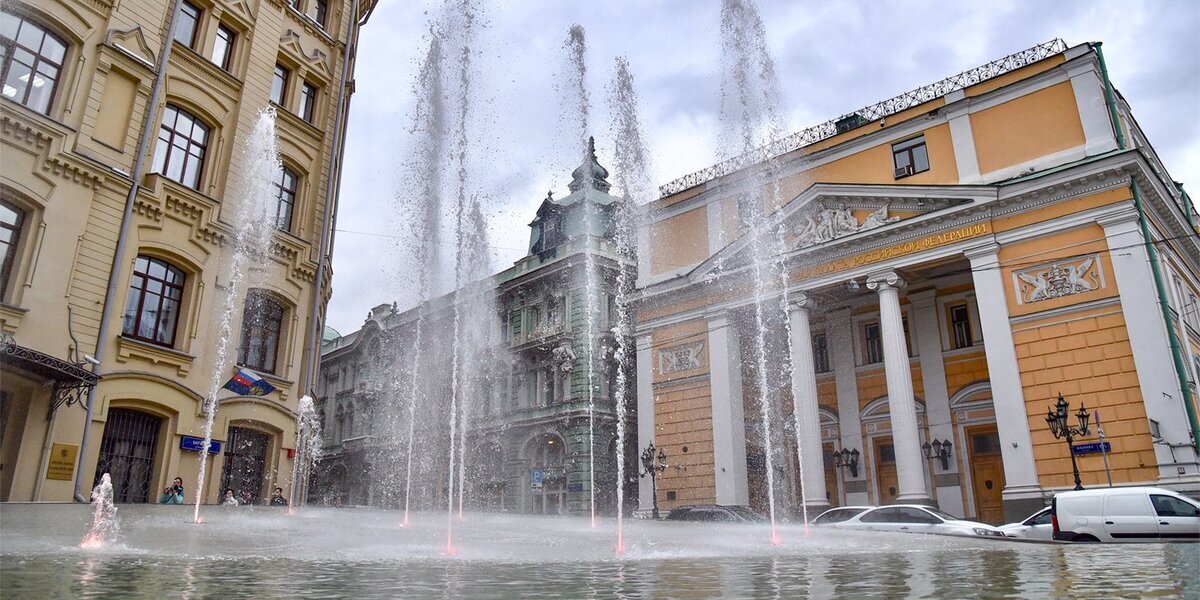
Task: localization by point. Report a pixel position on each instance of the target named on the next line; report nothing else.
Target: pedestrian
(277, 498)
(173, 494)
(229, 499)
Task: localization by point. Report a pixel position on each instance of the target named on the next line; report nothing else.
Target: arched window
(286, 185)
(12, 219)
(182, 145)
(262, 322)
(32, 61)
(155, 295)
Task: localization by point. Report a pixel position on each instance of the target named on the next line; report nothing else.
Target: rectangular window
(279, 84)
(286, 187)
(189, 22)
(820, 353)
(262, 324)
(320, 10)
(910, 157)
(960, 326)
(223, 47)
(874, 343)
(308, 101)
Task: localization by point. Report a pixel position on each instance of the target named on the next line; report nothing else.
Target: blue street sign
(537, 475)
(575, 487)
(194, 444)
(1092, 448)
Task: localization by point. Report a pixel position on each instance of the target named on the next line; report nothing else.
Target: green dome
(330, 334)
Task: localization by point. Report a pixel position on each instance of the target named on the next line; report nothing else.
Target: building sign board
(535, 479)
(575, 487)
(893, 251)
(194, 444)
(62, 462)
(1092, 448)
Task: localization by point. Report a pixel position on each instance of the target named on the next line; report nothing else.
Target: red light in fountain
(92, 541)
(775, 539)
(450, 549)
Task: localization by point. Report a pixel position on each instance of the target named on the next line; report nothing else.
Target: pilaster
(728, 412)
(645, 413)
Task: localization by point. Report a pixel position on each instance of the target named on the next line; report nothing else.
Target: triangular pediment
(316, 61)
(827, 215)
(131, 42)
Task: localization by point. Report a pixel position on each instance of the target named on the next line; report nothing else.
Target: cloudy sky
(831, 58)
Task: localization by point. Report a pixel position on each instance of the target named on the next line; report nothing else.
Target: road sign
(1092, 448)
(575, 487)
(535, 479)
(194, 444)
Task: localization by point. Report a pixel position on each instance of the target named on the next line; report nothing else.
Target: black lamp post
(653, 465)
(939, 450)
(1056, 418)
(847, 458)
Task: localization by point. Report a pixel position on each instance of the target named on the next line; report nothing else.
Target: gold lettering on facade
(62, 462)
(902, 249)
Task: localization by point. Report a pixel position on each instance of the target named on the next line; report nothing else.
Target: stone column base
(1020, 502)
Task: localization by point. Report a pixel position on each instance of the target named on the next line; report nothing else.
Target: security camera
(91, 359)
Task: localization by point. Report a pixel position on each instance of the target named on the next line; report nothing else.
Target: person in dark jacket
(277, 498)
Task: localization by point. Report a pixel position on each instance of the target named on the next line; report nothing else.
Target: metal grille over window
(127, 453)
(245, 461)
(31, 63)
(155, 295)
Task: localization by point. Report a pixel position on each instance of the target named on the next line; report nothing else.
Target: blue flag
(248, 383)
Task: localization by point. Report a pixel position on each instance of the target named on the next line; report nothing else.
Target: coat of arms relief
(826, 224)
(680, 358)
(1059, 279)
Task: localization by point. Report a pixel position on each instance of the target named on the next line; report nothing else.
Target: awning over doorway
(71, 382)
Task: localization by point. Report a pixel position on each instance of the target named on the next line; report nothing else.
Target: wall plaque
(62, 462)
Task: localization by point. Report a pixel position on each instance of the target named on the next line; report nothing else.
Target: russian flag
(248, 383)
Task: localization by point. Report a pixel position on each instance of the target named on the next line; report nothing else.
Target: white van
(1131, 514)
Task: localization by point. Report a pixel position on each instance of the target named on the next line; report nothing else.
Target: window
(182, 141)
(223, 47)
(189, 22)
(1169, 506)
(279, 84)
(294, 4)
(155, 295)
(262, 322)
(882, 515)
(308, 101)
(287, 185)
(820, 353)
(960, 326)
(910, 157)
(874, 343)
(32, 61)
(11, 220)
(320, 10)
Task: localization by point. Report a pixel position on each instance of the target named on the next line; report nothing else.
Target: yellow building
(118, 150)
(955, 258)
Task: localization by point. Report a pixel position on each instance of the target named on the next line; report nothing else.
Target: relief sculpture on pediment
(827, 224)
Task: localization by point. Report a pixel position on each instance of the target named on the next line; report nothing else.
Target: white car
(915, 518)
(838, 514)
(1036, 527)
(1129, 514)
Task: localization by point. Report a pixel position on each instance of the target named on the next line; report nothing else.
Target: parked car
(1036, 527)
(838, 514)
(916, 519)
(715, 513)
(1130, 514)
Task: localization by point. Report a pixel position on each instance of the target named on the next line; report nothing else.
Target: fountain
(104, 527)
(252, 196)
(308, 450)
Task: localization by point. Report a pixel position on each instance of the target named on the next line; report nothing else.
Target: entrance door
(832, 493)
(885, 471)
(987, 474)
(127, 453)
(245, 461)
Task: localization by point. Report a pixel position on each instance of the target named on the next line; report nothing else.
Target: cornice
(192, 63)
(41, 140)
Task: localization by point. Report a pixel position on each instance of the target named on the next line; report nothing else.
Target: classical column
(902, 405)
(728, 412)
(1022, 492)
(806, 416)
(645, 416)
(929, 323)
(839, 337)
(1151, 346)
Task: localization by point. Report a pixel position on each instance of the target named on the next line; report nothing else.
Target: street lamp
(1056, 418)
(847, 458)
(652, 468)
(939, 450)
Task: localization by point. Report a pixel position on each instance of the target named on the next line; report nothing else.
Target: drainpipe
(110, 295)
(1109, 97)
(325, 251)
(1176, 349)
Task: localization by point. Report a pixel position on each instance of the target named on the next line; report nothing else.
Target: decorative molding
(317, 61)
(39, 138)
(128, 348)
(1060, 279)
(132, 43)
(684, 357)
(824, 224)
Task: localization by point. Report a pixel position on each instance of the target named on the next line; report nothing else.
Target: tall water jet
(577, 114)
(632, 164)
(251, 197)
(749, 116)
(308, 449)
(104, 527)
